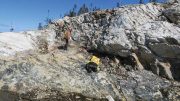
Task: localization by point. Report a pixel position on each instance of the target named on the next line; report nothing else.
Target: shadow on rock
(6, 95)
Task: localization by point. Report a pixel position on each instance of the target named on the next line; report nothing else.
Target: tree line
(142, 1)
(83, 9)
(74, 11)
(71, 13)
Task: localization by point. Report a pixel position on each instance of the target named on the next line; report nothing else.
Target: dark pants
(91, 67)
(66, 44)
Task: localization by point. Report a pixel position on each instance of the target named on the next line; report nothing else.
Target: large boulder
(165, 50)
(173, 13)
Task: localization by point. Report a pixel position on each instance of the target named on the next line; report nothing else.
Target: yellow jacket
(95, 60)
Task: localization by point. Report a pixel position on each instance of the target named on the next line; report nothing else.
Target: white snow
(11, 42)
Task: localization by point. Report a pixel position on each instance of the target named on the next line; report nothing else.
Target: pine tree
(96, 9)
(48, 19)
(141, 1)
(72, 12)
(40, 26)
(91, 7)
(74, 8)
(153, 0)
(117, 4)
(83, 9)
(11, 29)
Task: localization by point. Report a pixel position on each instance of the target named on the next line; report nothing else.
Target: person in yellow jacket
(93, 64)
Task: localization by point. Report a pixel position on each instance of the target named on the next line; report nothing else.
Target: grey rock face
(171, 93)
(173, 13)
(164, 69)
(47, 77)
(136, 31)
(123, 29)
(165, 50)
(114, 31)
(173, 1)
(129, 29)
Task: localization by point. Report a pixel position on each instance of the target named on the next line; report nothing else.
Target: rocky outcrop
(122, 31)
(163, 69)
(51, 77)
(173, 13)
(171, 93)
(129, 40)
(137, 62)
(173, 1)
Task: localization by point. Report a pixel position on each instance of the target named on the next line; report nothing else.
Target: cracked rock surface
(139, 47)
(150, 31)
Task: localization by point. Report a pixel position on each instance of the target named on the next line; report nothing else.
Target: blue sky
(26, 14)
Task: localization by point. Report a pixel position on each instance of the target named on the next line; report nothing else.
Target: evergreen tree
(91, 7)
(141, 1)
(40, 26)
(11, 29)
(117, 4)
(72, 12)
(83, 9)
(74, 8)
(96, 9)
(48, 19)
(153, 0)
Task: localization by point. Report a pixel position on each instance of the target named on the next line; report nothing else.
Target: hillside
(139, 48)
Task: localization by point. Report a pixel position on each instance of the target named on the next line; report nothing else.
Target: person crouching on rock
(93, 64)
(67, 36)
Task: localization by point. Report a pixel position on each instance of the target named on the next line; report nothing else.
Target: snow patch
(11, 42)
